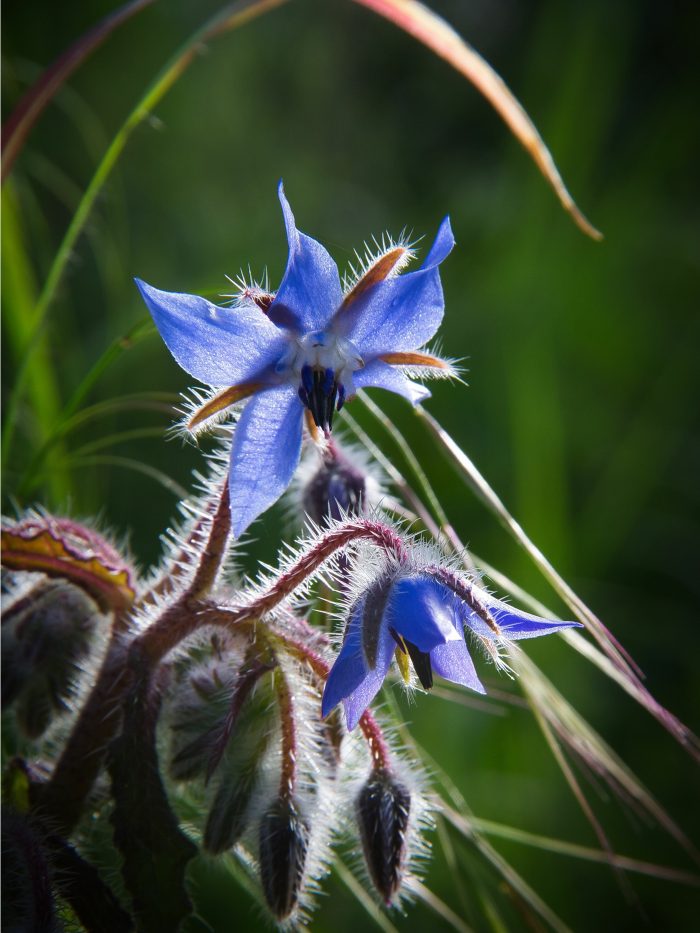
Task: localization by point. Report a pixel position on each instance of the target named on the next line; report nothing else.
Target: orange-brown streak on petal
(414, 359)
(430, 29)
(311, 427)
(223, 400)
(377, 272)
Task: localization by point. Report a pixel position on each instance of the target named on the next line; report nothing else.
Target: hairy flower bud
(284, 838)
(382, 808)
(45, 635)
(63, 548)
(338, 487)
(221, 728)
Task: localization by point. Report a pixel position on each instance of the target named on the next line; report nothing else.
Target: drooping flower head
(307, 348)
(419, 615)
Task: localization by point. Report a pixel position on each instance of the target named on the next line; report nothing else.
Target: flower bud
(63, 548)
(382, 808)
(220, 722)
(338, 487)
(284, 838)
(45, 635)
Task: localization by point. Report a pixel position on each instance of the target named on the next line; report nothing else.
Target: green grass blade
(120, 437)
(231, 17)
(19, 291)
(500, 864)
(128, 463)
(430, 29)
(552, 708)
(398, 480)
(161, 402)
(411, 459)
(33, 103)
(614, 651)
(356, 889)
(584, 853)
(438, 906)
(144, 328)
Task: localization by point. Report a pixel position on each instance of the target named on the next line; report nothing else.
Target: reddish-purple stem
(288, 769)
(378, 748)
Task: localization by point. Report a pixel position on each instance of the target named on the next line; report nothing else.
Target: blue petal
(351, 679)
(404, 312)
(266, 448)
(422, 611)
(513, 623)
(383, 376)
(350, 667)
(310, 291)
(453, 662)
(218, 346)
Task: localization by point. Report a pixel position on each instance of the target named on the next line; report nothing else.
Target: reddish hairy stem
(288, 770)
(220, 527)
(380, 534)
(378, 748)
(213, 555)
(187, 615)
(100, 718)
(82, 757)
(465, 591)
(61, 800)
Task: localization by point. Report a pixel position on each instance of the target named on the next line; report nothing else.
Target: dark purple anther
(341, 396)
(307, 378)
(318, 392)
(328, 380)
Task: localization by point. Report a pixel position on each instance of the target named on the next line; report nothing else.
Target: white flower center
(322, 363)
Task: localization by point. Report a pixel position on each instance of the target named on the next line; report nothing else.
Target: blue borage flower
(307, 348)
(421, 616)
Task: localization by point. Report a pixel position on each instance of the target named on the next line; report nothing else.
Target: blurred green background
(582, 405)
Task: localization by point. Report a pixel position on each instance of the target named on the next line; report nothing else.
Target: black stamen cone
(421, 664)
(283, 843)
(321, 394)
(383, 806)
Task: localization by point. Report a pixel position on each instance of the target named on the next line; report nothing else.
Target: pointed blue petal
(516, 625)
(218, 346)
(452, 661)
(443, 244)
(357, 702)
(383, 376)
(422, 611)
(402, 313)
(266, 448)
(351, 679)
(513, 623)
(350, 668)
(310, 291)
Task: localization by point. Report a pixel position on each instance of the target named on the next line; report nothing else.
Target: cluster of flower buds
(245, 729)
(221, 723)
